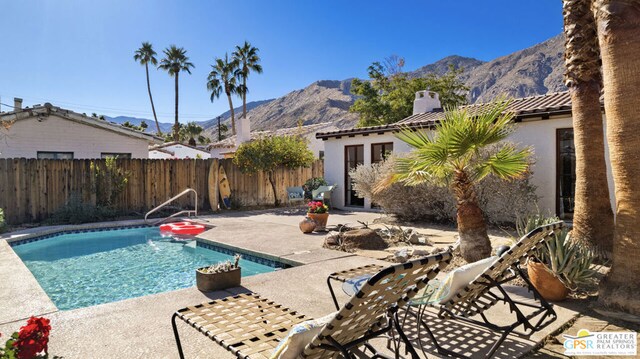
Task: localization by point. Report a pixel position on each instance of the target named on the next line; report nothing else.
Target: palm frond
(508, 162)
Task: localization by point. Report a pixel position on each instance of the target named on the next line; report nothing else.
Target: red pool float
(168, 227)
(190, 229)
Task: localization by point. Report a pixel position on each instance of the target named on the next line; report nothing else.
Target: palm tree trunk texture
(233, 116)
(244, 97)
(472, 228)
(176, 125)
(153, 108)
(592, 218)
(272, 181)
(619, 35)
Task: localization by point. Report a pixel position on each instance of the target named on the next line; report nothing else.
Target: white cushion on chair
(460, 277)
(299, 336)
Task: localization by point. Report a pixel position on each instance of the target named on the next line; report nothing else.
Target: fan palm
(145, 55)
(175, 61)
(223, 78)
(192, 131)
(455, 155)
(619, 38)
(248, 60)
(592, 217)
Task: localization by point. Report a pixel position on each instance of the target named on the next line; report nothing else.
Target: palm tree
(619, 38)
(456, 155)
(175, 61)
(247, 56)
(222, 78)
(592, 216)
(145, 55)
(192, 131)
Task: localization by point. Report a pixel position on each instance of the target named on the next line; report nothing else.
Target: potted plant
(319, 212)
(219, 276)
(561, 265)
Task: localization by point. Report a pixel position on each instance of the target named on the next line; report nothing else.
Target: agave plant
(572, 263)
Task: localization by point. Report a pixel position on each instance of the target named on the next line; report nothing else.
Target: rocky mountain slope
(533, 71)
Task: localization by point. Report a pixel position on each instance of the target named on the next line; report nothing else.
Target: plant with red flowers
(30, 342)
(317, 207)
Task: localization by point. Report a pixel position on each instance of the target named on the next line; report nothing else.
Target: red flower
(33, 338)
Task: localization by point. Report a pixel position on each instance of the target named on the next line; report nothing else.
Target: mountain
(533, 71)
(164, 127)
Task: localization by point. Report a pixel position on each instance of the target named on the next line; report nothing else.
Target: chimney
(17, 104)
(243, 130)
(426, 101)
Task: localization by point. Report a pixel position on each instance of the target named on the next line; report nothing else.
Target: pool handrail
(188, 212)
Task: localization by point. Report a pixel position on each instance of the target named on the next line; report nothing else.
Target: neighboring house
(176, 150)
(542, 122)
(50, 132)
(227, 147)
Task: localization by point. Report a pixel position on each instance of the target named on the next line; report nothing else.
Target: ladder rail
(167, 202)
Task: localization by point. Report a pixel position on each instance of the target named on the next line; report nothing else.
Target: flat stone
(380, 255)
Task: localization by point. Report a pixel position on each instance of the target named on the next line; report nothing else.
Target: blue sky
(79, 54)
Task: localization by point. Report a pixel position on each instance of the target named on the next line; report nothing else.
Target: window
(49, 155)
(353, 156)
(115, 154)
(380, 151)
(565, 173)
(321, 155)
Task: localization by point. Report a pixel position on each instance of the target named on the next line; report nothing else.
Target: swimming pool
(83, 269)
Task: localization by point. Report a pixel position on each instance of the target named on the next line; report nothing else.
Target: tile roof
(230, 142)
(552, 103)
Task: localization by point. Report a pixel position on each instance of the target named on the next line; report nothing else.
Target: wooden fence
(32, 190)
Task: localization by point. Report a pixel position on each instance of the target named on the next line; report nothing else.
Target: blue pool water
(83, 269)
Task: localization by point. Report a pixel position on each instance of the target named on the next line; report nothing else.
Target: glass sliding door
(353, 156)
(565, 174)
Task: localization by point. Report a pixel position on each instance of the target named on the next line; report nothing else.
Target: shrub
(270, 152)
(75, 211)
(109, 181)
(2, 221)
(502, 202)
(311, 185)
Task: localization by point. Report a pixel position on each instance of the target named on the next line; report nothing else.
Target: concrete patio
(140, 327)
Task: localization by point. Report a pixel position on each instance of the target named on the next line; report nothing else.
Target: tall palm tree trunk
(153, 108)
(472, 228)
(619, 35)
(244, 97)
(593, 217)
(233, 115)
(176, 125)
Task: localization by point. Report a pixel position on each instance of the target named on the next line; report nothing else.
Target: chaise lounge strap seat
(346, 275)
(245, 324)
(250, 326)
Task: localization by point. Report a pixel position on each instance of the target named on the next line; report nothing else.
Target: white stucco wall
(180, 151)
(334, 161)
(158, 155)
(55, 134)
(539, 134)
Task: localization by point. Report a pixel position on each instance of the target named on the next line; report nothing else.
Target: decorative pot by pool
(307, 225)
(320, 219)
(546, 283)
(209, 282)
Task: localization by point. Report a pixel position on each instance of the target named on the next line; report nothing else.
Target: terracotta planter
(209, 282)
(547, 284)
(320, 219)
(307, 225)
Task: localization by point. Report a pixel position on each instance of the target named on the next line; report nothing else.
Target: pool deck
(140, 327)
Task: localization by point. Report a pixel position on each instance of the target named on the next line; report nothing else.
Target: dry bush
(502, 201)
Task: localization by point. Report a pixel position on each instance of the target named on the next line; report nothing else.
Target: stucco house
(542, 122)
(227, 147)
(50, 132)
(177, 150)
